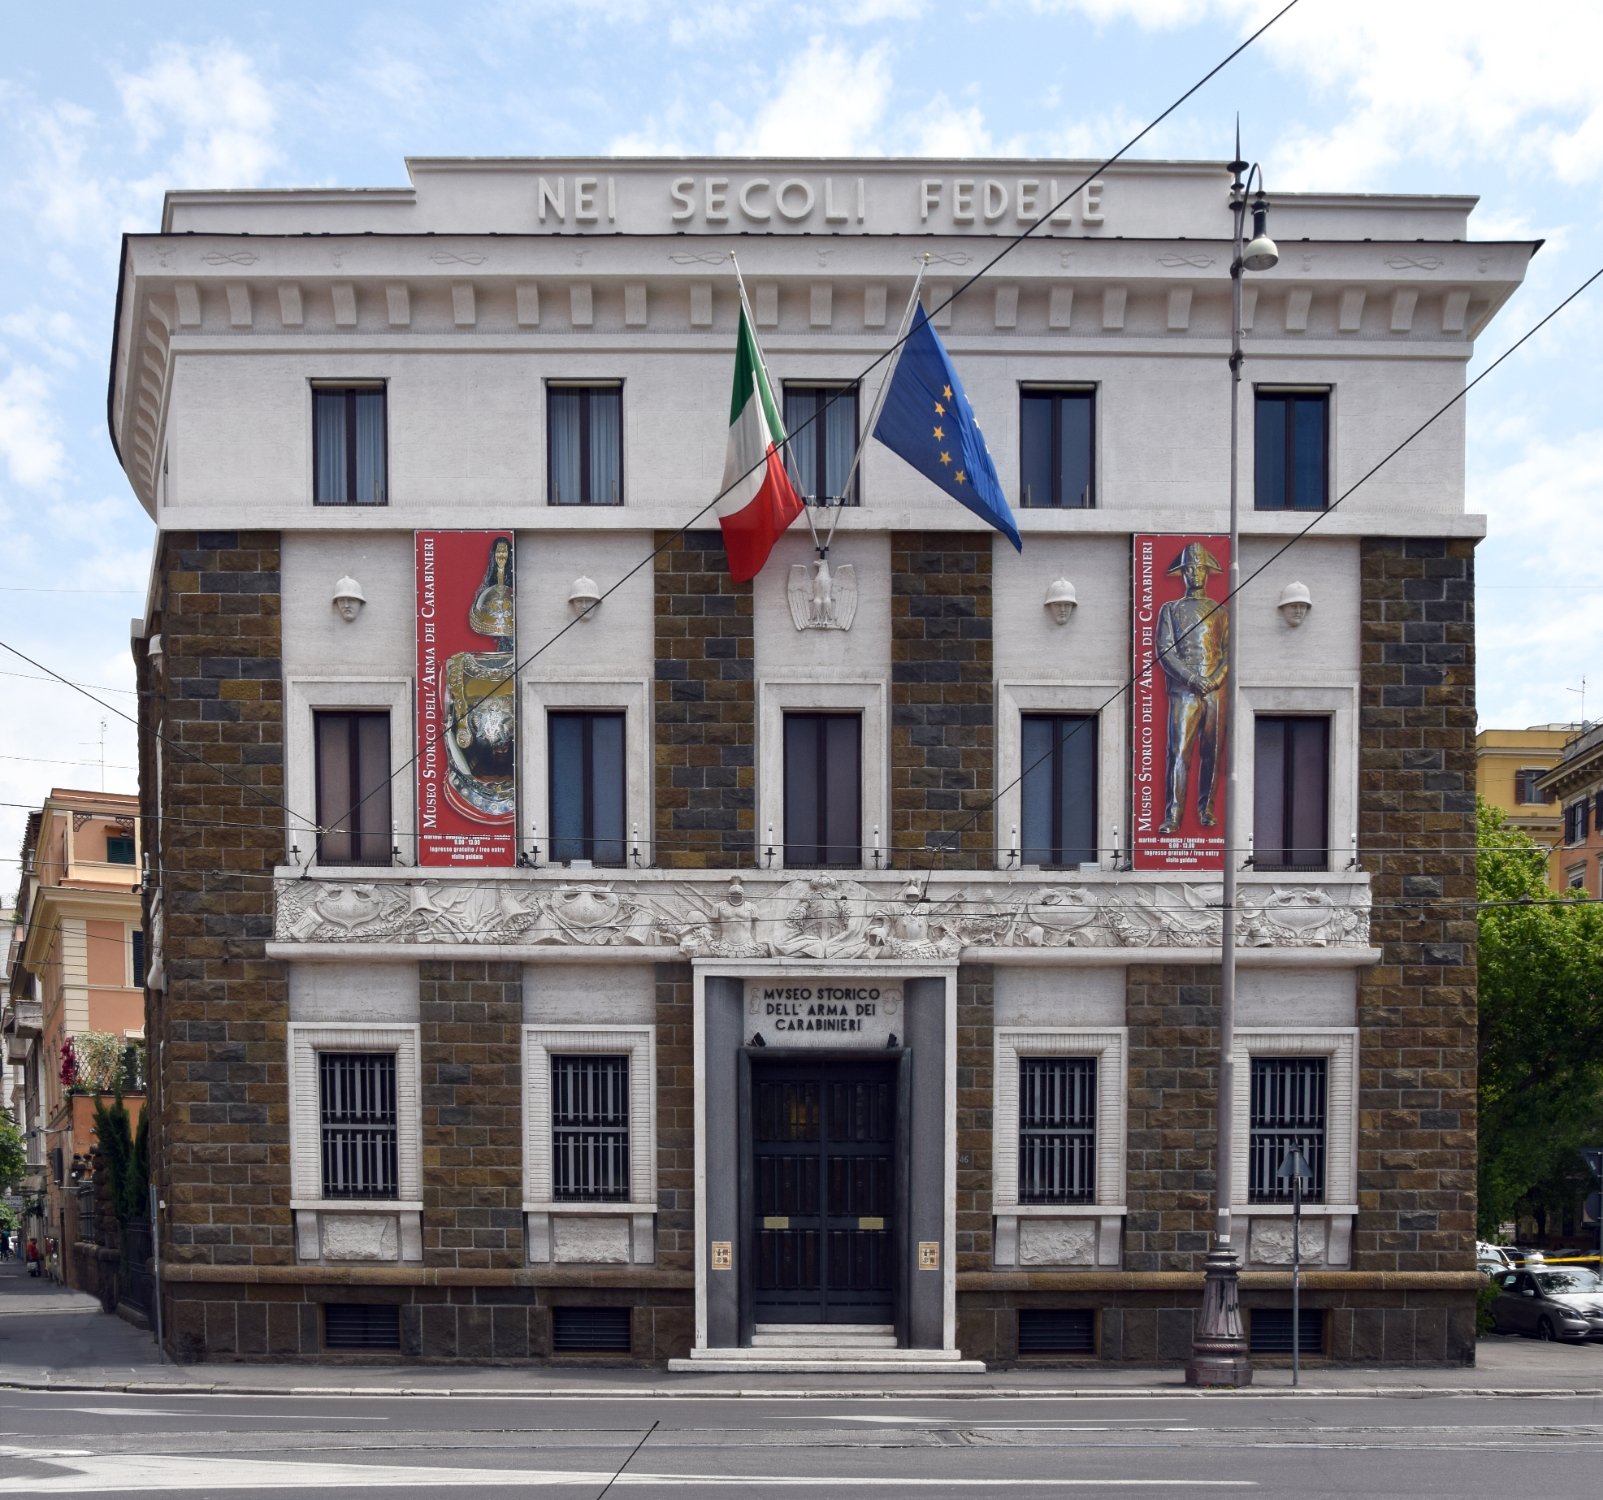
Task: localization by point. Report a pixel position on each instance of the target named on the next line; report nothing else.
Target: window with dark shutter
(1291, 444)
(823, 790)
(349, 441)
(1058, 789)
(584, 449)
(587, 787)
(822, 423)
(1057, 448)
(1291, 793)
(353, 787)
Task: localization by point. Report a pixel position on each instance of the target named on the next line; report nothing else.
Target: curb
(866, 1393)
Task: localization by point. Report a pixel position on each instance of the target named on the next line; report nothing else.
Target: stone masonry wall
(470, 1047)
(705, 708)
(976, 1050)
(1416, 837)
(943, 736)
(225, 1112)
(1173, 1015)
(676, 1116)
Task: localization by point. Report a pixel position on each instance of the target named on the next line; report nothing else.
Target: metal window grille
(356, 1095)
(590, 1128)
(1057, 1129)
(1269, 1330)
(590, 1330)
(361, 1325)
(1057, 1330)
(1288, 1111)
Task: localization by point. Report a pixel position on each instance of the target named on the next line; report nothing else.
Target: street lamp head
(1261, 254)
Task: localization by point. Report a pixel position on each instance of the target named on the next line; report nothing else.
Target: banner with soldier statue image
(466, 699)
(1181, 631)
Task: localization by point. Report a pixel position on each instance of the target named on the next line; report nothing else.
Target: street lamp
(1219, 1348)
(1295, 1166)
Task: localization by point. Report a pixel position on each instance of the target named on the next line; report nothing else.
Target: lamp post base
(1219, 1350)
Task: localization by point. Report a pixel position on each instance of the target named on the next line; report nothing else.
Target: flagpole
(784, 448)
(879, 397)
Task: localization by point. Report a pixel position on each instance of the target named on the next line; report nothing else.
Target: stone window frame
(626, 695)
(1339, 1046)
(640, 1044)
(776, 697)
(306, 1040)
(308, 694)
(1340, 705)
(1016, 699)
(1110, 1046)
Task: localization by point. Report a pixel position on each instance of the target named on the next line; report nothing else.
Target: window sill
(584, 1234)
(1062, 1210)
(1309, 1210)
(1039, 1236)
(356, 1205)
(573, 1206)
(357, 1231)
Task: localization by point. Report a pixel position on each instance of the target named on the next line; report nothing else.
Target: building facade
(75, 1004)
(560, 949)
(1575, 782)
(1509, 766)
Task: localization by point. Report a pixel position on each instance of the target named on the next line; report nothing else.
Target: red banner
(466, 698)
(1181, 694)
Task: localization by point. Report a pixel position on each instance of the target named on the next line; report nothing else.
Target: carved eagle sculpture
(822, 598)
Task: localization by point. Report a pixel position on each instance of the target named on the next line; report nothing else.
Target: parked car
(1496, 1255)
(1553, 1302)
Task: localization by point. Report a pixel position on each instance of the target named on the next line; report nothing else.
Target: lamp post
(1295, 1166)
(1219, 1349)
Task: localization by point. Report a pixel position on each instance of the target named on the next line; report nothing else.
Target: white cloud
(214, 108)
(829, 100)
(30, 439)
(54, 333)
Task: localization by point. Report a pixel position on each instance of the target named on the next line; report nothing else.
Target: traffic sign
(1593, 1156)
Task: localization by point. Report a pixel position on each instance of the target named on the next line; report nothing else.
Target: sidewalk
(54, 1339)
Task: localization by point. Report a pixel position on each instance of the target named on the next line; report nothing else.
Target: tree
(1540, 1029)
(13, 1156)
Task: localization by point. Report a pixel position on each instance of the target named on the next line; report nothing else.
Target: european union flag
(928, 421)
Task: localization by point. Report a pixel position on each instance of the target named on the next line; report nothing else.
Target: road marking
(1037, 1424)
(243, 1416)
(172, 1474)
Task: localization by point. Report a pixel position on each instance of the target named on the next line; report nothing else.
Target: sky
(105, 107)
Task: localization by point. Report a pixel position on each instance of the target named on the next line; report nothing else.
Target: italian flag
(759, 501)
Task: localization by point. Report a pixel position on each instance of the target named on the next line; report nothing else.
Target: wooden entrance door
(823, 1142)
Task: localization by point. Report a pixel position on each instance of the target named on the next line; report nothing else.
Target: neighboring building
(1509, 766)
(76, 990)
(1576, 783)
(725, 974)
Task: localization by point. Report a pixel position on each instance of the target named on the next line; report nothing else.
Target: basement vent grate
(1269, 1331)
(361, 1325)
(590, 1330)
(1057, 1330)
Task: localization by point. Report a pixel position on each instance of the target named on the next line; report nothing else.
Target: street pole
(1296, 1276)
(1219, 1348)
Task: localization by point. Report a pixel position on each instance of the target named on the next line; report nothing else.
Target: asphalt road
(66, 1443)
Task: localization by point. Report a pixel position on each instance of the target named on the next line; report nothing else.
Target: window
(1288, 1113)
(1057, 1129)
(348, 445)
(1597, 810)
(119, 849)
(585, 448)
(357, 1115)
(1291, 793)
(1057, 464)
(1575, 822)
(1575, 878)
(823, 790)
(1525, 785)
(353, 787)
(821, 421)
(589, 1128)
(1293, 429)
(136, 946)
(1058, 791)
(586, 758)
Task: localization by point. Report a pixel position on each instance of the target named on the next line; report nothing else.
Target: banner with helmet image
(466, 698)
(1182, 625)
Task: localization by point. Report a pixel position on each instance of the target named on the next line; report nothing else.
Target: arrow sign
(1593, 1156)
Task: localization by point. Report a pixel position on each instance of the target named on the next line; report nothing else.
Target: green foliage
(13, 1155)
(127, 1156)
(1484, 1298)
(100, 1060)
(1540, 1030)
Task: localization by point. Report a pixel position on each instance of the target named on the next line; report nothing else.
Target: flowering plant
(69, 1064)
